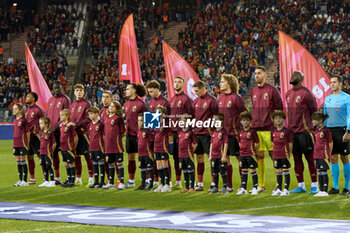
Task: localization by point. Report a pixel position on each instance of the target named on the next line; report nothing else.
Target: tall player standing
(301, 104)
(180, 104)
(265, 99)
(79, 118)
(56, 103)
(132, 108)
(32, 114)
(204, 108)
(231, 105)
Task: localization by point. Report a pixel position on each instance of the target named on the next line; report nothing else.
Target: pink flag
(129, 66)
(36, 81)
(175, 66)
(293, 56)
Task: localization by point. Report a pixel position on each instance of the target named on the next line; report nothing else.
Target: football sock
(299, 167)
(89, 165)
(325, 181)
(20, 172)
(279, 180)
(166, 175)
(200, 172)
(335, 175)
(155, 172)
(169, 166)
(215, 175)
(24, 170)
(192, 178)
(312, 169)
(46, 174)
(161, 175)
(313, 184)
(286, 179)
(143, 177)
(244, 179)
(106, 168)
(187, 180)
(301, 184)
(255, 179)
(73, 171)
(69, 175)
(346, 175)
(121, 173)
(240, 173)
(78, 166)
(31, 167)
(224, 179)
(111, 173)
(151, 177)
(56, 165)
(229, 175)
(177, 169)
(102, 171)
(96, 172)
(131, 169)
(261, 172)
(320, 180)
(50, 170)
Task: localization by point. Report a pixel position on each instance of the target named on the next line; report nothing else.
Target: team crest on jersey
(144, 135)
(186, 136)
(112, 122)
(336, 107)
(51, 105)
(126, 109)
(32, 115)
(254, 97)
(19, 123)
(66, 130)
(46, 137)
(321, 135)
(220, 103)
(59, 104)
(79, 109)
(204, 105)
(134, 109)
(229, 104)
(72, 109)
(266, 96)
(196, 105)
(297, 100)
(97, 128)
(179, 103)
(220, 135)
(288, 100)
(249, 135)
(282, 135)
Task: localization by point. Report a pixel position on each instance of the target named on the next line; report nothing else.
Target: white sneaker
(274, 189)
(254, 191)
(44, 184)
(121, 186)
(108, 186)
(285, 192)
(159, 188)
(241, 191)
(166, 188)
(23, 183)
(51, 184)
(321, 194)
(18, 183)
(277, 192)
(130, 185)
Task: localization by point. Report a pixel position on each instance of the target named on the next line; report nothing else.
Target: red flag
(129, 66)
(293, 56)
(175, 66)
(36, 81)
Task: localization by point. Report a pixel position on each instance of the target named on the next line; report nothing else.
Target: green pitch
(295, 205)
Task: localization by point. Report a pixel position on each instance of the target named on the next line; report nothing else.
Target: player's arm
(53, 147)
(278, 104)
(224, 155)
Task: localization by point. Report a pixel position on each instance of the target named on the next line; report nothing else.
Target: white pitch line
(281, 206)
(44, 229)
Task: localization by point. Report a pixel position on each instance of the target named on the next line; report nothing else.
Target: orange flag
(175, 66)
(293, 56)
(36, 81)
(129, 66)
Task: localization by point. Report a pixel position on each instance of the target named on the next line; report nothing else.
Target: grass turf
(295, 205)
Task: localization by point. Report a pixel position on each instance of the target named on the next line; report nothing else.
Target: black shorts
(339, 147)
(233, 146)
(145, 162)
(131, 144)
(45, 160)
(34, 145)
(203, 144)
(246, 162)
(217, 165)
(281, 163)
(19, 151)
(68, 156)
(115, 158)
(161, 156)
(302, 143)
(97, 155)
(186, 164)
(83, 145)
(322, 164)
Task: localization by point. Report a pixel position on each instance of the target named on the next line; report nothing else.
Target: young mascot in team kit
(248, 143)
(114, 131)
(187, 145)
(20, 144)
(69, 140)
(282, 149)
(218, 154)
(47, 147)
(322, 152)
(96, 147)
(146, 163)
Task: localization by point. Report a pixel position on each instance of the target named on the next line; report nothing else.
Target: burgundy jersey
(204, 108)
(47, 140)
(67, 135)
(281, 139)
(247, 140)
(56, 104)
(218, 140)
(185, 140)
(79, 115)
(179, 104)
(265, 100)
(19, 133)
(33, 114)
(300, 106)
(114, 131)
(132, 109)
(144, 138)
(103, 113)
(231, 105)
(322, 138)
(96, 131)
(155, 102)
(161, 140)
